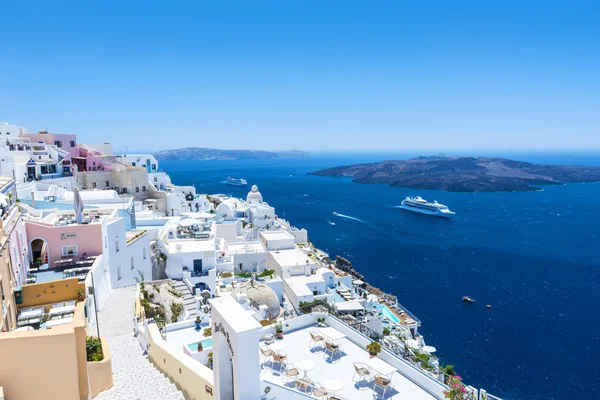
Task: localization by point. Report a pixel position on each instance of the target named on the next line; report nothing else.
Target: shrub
(93, 348)
(278, 327)
(226, 274)
(387, 331)
(207, 332)
(175, 292)
(374, 348)
(244, 274)
(80, 293)
(266, 322)
(176, 309)
(457, 389)
(267, 272)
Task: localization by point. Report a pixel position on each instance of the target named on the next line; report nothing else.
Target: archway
(39, 252)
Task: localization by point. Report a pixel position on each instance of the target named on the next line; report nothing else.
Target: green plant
(457, 390)
(175, 292)
(321, 320)
(209, 364)
(151, 296)
(93, 348)
(176, 309)
(207, 332)
(266, 322)
(267, 272)
(374, 348)
(155, 287)
(387, 331)
(226, 274)
(198, 320)
(278, 327)
(449, 370)
(80, 293)
(244, 274)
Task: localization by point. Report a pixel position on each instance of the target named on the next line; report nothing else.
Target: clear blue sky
(305, 74)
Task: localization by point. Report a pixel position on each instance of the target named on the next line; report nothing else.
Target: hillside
(199, 153)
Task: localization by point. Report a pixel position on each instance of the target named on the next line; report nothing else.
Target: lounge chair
(362, 372)
(279, 359)
(303, 384)
(266, 354)
(332, 348)
(318, 391)
(315, 338)
(383, 383)
(291, 372)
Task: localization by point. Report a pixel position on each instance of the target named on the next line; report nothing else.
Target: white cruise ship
(418, 204)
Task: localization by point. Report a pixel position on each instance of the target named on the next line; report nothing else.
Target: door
(198, 267)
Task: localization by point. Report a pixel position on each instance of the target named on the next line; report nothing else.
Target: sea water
(534, 257)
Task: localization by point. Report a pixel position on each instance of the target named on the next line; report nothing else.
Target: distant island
(199, 153)
(465, 174)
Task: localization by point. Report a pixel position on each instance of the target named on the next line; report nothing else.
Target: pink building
(67, 143)
(51, 242)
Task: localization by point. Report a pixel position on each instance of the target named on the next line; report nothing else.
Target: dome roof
(261, 294)
(254, 195)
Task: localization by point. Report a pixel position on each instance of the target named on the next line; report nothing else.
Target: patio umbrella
(189, 222)
(358, 282)
(78, 206)
(428, 349)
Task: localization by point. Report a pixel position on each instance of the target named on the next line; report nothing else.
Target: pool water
(389, 314)
(206, 343)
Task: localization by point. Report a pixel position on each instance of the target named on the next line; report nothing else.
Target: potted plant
(198, 321)
(279, 330)
(80, 294)
(374, 348)
(320, 321)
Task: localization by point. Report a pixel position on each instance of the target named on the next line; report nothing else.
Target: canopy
(189, 222)
(349, 306)
(25, 328)
(428, 349)
(78, 206)
(358, 282)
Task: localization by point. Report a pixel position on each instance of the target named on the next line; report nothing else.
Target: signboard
(70, 235)
(40, 153)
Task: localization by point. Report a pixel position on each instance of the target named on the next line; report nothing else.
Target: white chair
(315, 338)
(362, 372)
(383, 383)
(332, 348)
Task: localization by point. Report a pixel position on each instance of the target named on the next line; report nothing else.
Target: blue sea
(535, 257)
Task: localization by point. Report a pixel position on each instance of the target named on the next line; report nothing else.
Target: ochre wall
(80, 334)
(64, 290)
(100, 373)
(39, 364)
(190, 376)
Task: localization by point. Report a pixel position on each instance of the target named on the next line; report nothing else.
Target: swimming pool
(389, 314)
(206, 343)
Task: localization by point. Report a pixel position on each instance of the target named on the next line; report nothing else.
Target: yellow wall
(80, 334)
(55, 291)
(100, 373)
(189, 375)
(39, 364)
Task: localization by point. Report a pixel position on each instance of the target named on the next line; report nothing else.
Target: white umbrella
(78, 206)
(3, 200)
(189, 222)
(428, 349)
(358, 282)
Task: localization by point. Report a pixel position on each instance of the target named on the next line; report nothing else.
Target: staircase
(134, 376)
(189, 301)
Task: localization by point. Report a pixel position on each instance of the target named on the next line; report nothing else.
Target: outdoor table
(380, 367)
(333, 385)
(61, 310)
(30, 314)
(332, 334)
(277, 346)
(305, 365)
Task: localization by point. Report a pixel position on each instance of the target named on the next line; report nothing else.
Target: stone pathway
(135, 378)
(189, 301)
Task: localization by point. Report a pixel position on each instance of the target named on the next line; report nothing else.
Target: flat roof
(277, 235)
(190, 245)
(291, 257)
(235, 315)
(246, 247)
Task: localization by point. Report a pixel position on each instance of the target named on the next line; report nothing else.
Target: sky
(309, 75)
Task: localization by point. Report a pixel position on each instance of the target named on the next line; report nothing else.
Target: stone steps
(189, 302)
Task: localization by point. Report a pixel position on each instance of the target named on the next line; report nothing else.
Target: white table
(380, 366)
(332, 334)
(333, 385)
(61, 310)
(305, 365)
(56, 322)
(30, 314)
(277, 346)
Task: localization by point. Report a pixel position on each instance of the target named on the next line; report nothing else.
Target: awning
(349, 306)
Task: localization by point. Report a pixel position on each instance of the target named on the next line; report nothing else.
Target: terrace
(321, 368)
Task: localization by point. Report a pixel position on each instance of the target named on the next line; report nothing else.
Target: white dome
(259, 293)
(254, 195)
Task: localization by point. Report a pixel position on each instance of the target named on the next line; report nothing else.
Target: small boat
(467, 299)
(330, 222)
(334, 213)
(489, 306)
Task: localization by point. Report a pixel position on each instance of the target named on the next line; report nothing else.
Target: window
(143, 254)
(143, 188)
(105, 242)
(315, 293)
(72, 143)
(119, 276)
(132, 263)
(58, 143)
(94, 163)
(117, 246)
(107, 183)
(94, 185)
(240, 265)
(137, 189)
(69, 250)
(155, 179)
(124, 190)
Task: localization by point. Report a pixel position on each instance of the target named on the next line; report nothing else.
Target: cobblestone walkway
(133, 375)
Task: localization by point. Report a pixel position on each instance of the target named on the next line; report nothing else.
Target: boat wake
(349, 217)
(331, 222)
